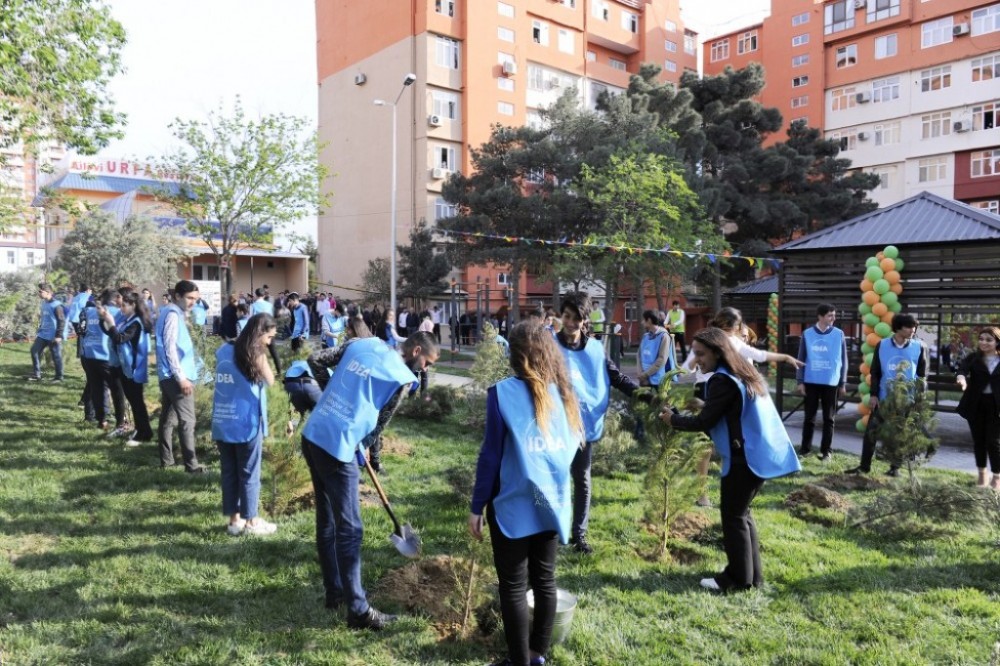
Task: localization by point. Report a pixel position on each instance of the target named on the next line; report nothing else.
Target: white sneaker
(710, 584)
(236, 529)
(260, 527)
(133, 442)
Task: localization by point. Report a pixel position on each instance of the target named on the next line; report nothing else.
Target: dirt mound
(368, 495)
(689, 526)
(396, 446)
(817, 496)
(851, 482)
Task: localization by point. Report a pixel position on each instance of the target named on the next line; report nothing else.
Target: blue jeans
(240, 466)
(38, 348)
(303, 395)
(338, 526)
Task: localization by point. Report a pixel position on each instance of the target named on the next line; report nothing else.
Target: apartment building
(476, 63)
(22, 242)
(910, 88)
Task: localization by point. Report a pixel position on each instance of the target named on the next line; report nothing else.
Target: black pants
(272, 349)
(816, 395)
(679, 337)
(101, 376)
(739, 532)
(580, 471)
(519, 562)
(134, 394)
(297, 344)
(985, 428)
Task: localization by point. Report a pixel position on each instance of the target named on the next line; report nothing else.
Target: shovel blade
(407, 542)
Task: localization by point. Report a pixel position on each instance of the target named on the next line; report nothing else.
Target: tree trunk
(514, 315)
(658, 291)
(716, 287)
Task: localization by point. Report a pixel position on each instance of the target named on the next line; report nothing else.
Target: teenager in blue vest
(242, 317)
(176, 369)
(50, 334)
(750, 438)
(239, 423)
(360, 397)
(901, 356)
(99, 361)
(300, 321)
(592, 376)
(533, 433)
(199, 313)
(386, 330)
(300, 382)
(130, 336)
(259, 305)
(823, 348)
(656, 350)
(76, 306)
(332, 326)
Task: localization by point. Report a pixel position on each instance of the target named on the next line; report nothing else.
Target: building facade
(477, 63)
(22, 242)
(910, 88)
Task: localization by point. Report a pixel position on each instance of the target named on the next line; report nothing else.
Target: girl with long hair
(533, 432)
(239, 422)
(386, 329)
(979, 379)
(131, 340)
(100, 359)
(751, 440)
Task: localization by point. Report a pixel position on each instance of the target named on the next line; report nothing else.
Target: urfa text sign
(118, 167)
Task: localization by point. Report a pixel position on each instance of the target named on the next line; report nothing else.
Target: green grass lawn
(106, 559)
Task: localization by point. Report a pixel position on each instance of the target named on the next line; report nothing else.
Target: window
(984, 116)
(885, 46)
(989, 206)
(504, 58)
(533, 119)
(569, 3)
(444, 104)
(986, 20)
(799, 102)
(935, 78)
(720, 50)
(566, 41)
(985, 163)
(800, 40)
(502, 278)
(885, 176)
(986, 69)
(934, 125)
(444, 157)
(670, 46)
(885, 90)
(536, 78)
(934, 33)
(536, 176)
(617, 64)
(591, 56)
(887, 134)
(630, 22)
(505, 83)
(838, 16)
(443, 209)
(690, 42)
(11, 257)
(881, 9)
(931, 169)
(842, 99)
(505, 34)
(670, 26)
(847, 56)
(505, 108)
(205, 272)
(800, 60)
(596, 90)
(540, 32)
(503, 9)
(446, 53)
(670, 65)
(632, 311)
(800, 81)
(599, 9)
(446, 7)
(747, 42)
(800, 19)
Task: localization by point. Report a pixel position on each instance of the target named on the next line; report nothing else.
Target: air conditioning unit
(554, 82)
(509, 68)
(360, 79)
(863, 98)
(960, 29)
(962, 126)
(859, 4)
(439, 173)
(434, 120)
(863, 136)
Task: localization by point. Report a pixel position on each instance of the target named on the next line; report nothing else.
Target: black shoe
(893, 471)
(581, 545)
(197, 469)
(373, 619)
(857, 471)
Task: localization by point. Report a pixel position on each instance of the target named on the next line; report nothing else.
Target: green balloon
(889, 298)
(871, 319)
(895, 307)
(864, 389)
(881, 287)
(866, 349)
(860, 425)
(883, 330)
(871, 261)
(874, 273)
(891, 251)
(866, 399)
(868, 359)
(864, 309)
(899, 263)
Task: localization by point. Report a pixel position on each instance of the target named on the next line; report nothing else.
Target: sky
(187, 58)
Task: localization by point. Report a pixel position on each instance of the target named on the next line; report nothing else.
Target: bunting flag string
(666, 250)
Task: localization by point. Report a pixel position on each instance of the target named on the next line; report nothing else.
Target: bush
(440, 405)
(927, 510)
(19, 304)
(490, 366)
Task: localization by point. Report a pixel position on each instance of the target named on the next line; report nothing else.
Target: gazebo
(951, 277)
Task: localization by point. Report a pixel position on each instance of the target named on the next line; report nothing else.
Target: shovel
(406, 541)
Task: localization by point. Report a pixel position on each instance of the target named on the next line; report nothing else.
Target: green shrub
(436, 404)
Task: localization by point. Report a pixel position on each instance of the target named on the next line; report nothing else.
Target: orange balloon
(872, 339)
(868, 330)
(867, 285)
(865, 369)
(868, 380)
(864, 409)
(880, 256)
(879, 309)
(887, 317)
(864, 419)
(896, 288)
(870, 297)
(892, 277)
(887, 265)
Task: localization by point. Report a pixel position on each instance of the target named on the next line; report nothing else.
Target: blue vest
(535, 493)
(897, 363)
(240, 325)
(390, 339)
(239, 408)
(261, 306)
(300, 321)
(336, 326)
(301, 369)
(47, 324)
(199, 313)
(135, 360)
(649, 349)
(185, 346)
(823, 356)
(115, 359)
(768, 450)
(365, 379)
(96, 343)
(589, 376)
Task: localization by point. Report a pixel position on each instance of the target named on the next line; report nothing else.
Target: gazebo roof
(765, 285)
(924, 219)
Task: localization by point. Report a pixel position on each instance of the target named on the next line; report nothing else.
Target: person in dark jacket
(979, 379)
(228, 318)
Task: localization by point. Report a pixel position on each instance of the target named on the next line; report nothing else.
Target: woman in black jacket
(979, 379)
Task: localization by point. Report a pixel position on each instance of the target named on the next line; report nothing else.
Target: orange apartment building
(477, 63)
(22, 242)
(910, 88)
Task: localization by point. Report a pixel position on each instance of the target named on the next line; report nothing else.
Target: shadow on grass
(976, 575)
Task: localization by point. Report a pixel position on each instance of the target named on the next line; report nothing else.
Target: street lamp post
(407, 82)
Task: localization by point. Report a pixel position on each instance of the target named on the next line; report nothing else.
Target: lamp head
(379, 102)
(409, 79)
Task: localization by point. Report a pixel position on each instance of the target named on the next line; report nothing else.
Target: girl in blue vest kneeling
(751, 440)
(239, 422)
(533, 432)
